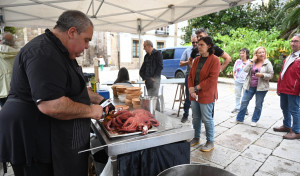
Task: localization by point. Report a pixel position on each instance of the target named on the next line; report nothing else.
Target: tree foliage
(12, 30)
(252, 16)
(291, 18)
(277, 49)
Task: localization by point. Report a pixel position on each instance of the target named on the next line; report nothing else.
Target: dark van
(171, 60)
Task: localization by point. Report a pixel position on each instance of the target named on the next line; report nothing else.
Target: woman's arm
(269, 72)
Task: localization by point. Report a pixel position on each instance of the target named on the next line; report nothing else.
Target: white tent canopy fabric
(131, 16)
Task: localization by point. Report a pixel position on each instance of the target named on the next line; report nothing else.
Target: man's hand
(190, 62)
(96, 112)
(152, 79)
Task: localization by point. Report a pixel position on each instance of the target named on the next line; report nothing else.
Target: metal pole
(2, 24)
(139, 31)
(118, 47)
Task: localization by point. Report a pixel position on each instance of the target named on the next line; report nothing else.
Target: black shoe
(184, 118)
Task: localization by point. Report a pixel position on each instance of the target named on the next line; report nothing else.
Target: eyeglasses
(295, 41)
(194, 42)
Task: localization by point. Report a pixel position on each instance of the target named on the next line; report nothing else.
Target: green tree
(277, 49)
(291, 20)
(12, 30)
(257, 17)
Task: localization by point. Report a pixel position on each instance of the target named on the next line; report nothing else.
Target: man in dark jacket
(151, 70)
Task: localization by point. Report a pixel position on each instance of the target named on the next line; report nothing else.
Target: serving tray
(112, 134)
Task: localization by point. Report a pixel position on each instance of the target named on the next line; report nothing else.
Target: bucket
(149, 103)
(195, 170)
(104, 93)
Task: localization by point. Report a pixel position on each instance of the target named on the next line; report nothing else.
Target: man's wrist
(102, 101)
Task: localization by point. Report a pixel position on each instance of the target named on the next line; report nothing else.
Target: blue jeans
(290, 105)
(238, 94)
(187, 102)
(203, 112)
(259, 96)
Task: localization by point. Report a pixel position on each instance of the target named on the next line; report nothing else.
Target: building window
(162, 31)
(135, 48)
(160, 45)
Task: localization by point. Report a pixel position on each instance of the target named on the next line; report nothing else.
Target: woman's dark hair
(210, 42)
(123, 76)
(246, 51)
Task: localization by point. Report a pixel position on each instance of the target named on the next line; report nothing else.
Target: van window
(168, 54)
(179, 52)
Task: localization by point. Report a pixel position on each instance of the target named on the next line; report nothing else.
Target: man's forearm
(183, 63)
(65, 109)
(95, 97)
(227, 60)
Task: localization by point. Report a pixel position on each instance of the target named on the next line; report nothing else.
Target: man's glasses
(295, 41)
(194, 42)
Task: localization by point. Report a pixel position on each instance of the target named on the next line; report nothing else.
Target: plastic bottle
(93, 84)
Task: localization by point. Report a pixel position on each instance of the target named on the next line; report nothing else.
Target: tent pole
(139, 31)
(2, 24)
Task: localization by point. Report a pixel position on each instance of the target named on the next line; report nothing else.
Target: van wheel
(179, 74)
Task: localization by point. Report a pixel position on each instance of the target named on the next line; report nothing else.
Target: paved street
(239, 148)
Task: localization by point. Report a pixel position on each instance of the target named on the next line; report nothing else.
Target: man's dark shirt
(43, 71)
(152, 66)
(218, 51)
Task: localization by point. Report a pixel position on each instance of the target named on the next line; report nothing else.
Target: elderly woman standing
(260, 71)
(202, 83)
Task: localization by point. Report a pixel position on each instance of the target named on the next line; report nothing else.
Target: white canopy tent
(131, 16)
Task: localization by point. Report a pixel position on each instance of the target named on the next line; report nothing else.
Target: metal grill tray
(111, 134)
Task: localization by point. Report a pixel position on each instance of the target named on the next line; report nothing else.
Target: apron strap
(4, 167)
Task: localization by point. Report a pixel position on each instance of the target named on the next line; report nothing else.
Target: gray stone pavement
(242, 149)
(239, 148)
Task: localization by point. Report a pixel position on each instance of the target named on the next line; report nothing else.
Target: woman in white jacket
(260, 71)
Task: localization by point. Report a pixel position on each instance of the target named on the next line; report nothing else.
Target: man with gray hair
(54, 108)
(288, 88)
(7, 57)
(151, 70)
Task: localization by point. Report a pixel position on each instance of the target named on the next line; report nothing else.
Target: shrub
(277, 49)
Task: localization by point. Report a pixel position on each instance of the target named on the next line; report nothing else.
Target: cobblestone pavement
(239, 148)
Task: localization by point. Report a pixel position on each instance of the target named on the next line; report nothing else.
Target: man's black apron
(68, 137)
